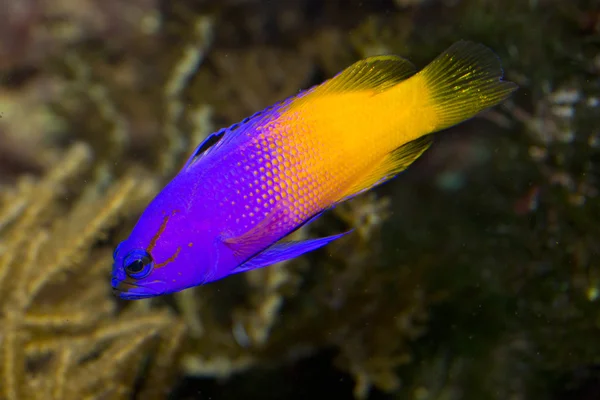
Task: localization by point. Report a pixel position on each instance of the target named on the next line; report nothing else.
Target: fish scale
(267, 173)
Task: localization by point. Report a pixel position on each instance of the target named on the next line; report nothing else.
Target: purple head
(168, 250)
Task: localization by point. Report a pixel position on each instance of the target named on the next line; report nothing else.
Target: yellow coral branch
(102, 218)
(13, 359)
(57, 312)
(193, 54)
(60, 379)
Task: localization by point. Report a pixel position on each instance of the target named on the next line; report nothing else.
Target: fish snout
(128, 290)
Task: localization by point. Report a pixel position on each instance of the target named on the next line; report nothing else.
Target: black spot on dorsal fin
(216, 137)
(208, 143)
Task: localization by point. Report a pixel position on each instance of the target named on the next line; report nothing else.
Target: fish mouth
(131, 291)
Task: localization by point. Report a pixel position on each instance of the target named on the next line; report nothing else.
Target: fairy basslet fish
(247, 187)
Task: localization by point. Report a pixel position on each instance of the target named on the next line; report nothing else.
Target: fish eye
(138, 264)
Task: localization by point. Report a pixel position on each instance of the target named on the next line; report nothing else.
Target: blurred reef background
(473, 275)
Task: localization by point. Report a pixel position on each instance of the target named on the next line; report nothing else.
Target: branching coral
(158, 132)
(62, 336)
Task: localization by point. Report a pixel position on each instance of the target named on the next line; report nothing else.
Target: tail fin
(464, 80)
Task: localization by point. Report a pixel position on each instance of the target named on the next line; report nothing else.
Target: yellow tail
(463, 81)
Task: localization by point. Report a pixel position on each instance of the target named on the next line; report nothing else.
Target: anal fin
(391, 165)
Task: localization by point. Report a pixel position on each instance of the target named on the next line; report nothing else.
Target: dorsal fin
(377, 73)
(226, 135)
(205, 145)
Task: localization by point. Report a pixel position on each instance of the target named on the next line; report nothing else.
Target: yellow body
(373, 119)
(357, 130)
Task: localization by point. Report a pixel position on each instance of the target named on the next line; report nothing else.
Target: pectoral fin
(285, 251)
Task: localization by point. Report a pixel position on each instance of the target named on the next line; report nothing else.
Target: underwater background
(473, 275)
